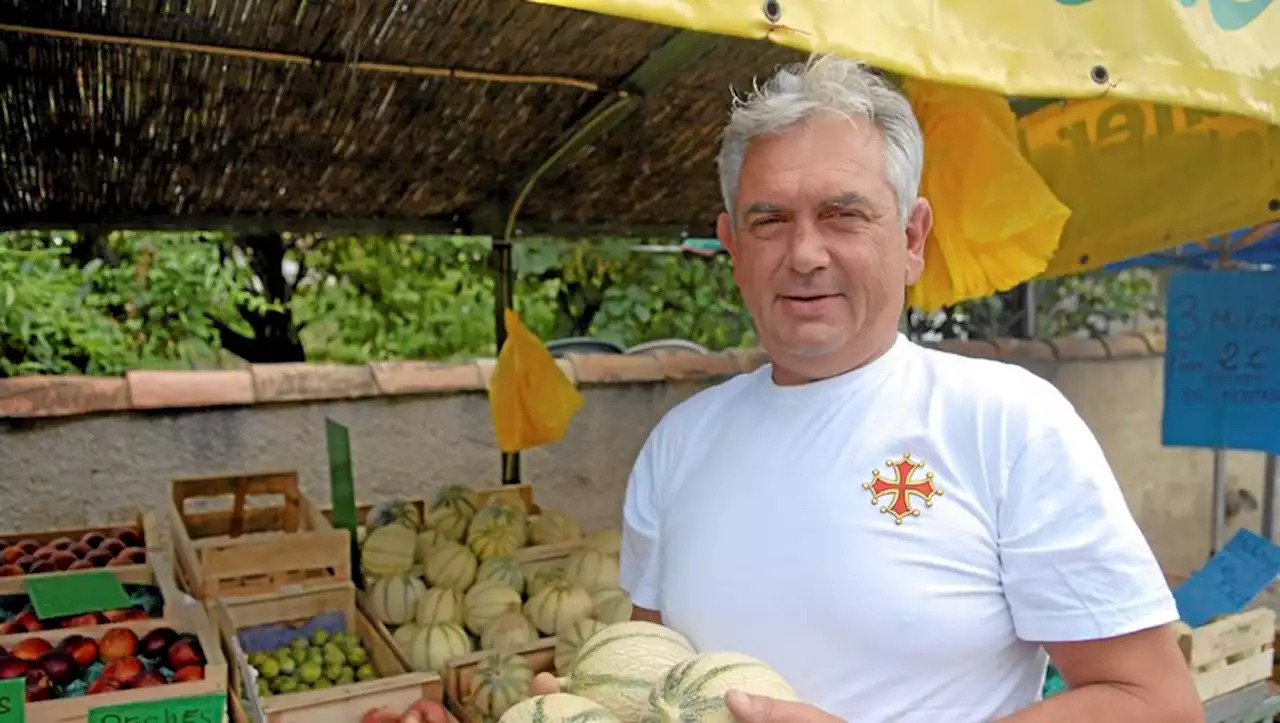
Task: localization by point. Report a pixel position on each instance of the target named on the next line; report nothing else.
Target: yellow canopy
(1172, 132)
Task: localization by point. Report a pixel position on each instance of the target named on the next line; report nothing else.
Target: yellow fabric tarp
(530, 399)
(1170, 136)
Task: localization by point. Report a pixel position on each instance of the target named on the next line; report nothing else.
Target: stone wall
(86, 450)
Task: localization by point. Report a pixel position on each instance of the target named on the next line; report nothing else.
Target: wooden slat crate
(253, 549)
(1229, 653)
(191, 620)
(459, 678)
(143, 524)
(532, 557)
(397, 688)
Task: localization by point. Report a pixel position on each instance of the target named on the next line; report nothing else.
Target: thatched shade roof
(98, 125)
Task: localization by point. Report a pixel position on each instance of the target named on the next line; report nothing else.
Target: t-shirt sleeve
(1074, 564)
(641, 524)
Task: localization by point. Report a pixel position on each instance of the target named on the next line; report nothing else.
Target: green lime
(255, 659)
(268, 668)
(300, 655)
(333, 655)
(287, 666)
(264, 689)
(348, 676)
(300, 644)
(366, 672)
(322, 683)
(284, 685)
(333, 671)
(320, 637)
(310, 672)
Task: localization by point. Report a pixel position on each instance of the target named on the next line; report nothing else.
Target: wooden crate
(459, 678)
(1230, 653)
(158, 573)
(76, 710)
(144, 523)
(397, 689)
(253, 549)
(531, 558)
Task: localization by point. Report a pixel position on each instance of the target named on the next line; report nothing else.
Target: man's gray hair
(826, 83)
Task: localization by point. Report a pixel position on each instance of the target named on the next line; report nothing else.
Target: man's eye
(766, 220)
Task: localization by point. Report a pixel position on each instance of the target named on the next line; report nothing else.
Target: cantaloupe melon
(589, 568)
(427, 541)
(505, 569)
(619, 665)
(611, 604)
(607, 541)
(500, 681)
(570, 641)
(485, 601)
(551, 527)
(398, 512)
(557, 708)
(436, 644)
(542, 577)
(508, 517)
(388, 550)
(451, 565)
(557, 606)
(403, 635)
(508, 631)
(493, 542)
(693, 691)
(439, 605)
(395, 597)
(452, 510)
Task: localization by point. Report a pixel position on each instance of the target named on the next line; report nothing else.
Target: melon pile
(452, 583)
(630, 672)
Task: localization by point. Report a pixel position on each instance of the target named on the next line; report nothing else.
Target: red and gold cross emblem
(902, 487)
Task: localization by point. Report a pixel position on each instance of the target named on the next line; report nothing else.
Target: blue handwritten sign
(1222, 361)
(1230, 580)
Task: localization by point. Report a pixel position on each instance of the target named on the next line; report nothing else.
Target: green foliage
(101, 305)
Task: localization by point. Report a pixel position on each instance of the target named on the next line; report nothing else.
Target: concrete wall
(80, 451)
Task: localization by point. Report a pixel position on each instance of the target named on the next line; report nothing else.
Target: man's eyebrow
(763, 207)
(845, 200)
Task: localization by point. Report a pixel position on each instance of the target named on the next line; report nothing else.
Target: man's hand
(760, 709)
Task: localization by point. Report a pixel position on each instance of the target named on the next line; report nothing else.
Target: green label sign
(211, 708)
(76, 593)
(13, 700)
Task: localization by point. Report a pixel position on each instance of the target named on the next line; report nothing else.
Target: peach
(11, 555)
(125, 670)
(188, 673)
(27, 546)
(129, 556)
(99, 558)
(62, 543)
(25, 562)
(112, 546)
(129, 536)
(118, 643)
(80, 549)
(11, 571)
(81, 565)
(42, 566)
(31, 649)
(63, 559)
(44, 553)
(92, 539)
(103, 685)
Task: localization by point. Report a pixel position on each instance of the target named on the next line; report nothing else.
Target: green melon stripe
(588, 715)
(678, 687)
(585, 653)
(583, 682)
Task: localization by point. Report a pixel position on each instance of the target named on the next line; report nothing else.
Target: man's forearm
(1101, 701)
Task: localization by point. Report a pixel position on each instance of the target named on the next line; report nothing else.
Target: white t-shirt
(750, 525)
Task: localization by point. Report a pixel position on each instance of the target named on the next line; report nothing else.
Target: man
(901, 533)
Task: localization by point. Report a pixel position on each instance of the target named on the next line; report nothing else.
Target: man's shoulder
(706, 404)
(991, 384)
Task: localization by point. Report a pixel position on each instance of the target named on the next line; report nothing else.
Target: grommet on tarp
(772, 11)
(1084, 260)
(1099, 74)
(1274, 205)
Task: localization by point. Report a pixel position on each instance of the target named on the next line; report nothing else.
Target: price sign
(211, 708)
(13, 700)
(89, 591)
(1222, 361)
(1231, 579)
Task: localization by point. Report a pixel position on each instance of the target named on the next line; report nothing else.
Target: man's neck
(826, 368)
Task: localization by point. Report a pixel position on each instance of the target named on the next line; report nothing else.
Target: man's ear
(918, 227)
(724, 232)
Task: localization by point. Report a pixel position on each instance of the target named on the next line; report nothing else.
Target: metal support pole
(504, 292)
(1218, 528)
(1029, 310)
(1269, 483)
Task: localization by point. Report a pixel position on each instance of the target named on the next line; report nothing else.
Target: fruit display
(450, 581)
(630, 672)
(119, 660)
(17, 616)
(110, 548)
(320, 660)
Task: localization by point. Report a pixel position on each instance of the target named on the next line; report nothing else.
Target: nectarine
(92, 539)
(11, 555)
(112, 545)
(118, 643)
(31, 649)
(98, 558)
(62, 543)
(63, 559)
(125, 670)
(130, 537)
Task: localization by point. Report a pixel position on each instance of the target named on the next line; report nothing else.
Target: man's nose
(807, 251)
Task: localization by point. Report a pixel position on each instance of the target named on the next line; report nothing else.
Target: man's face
(819, 251)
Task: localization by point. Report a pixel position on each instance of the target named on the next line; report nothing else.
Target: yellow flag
(530, 398)
(995, 221)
